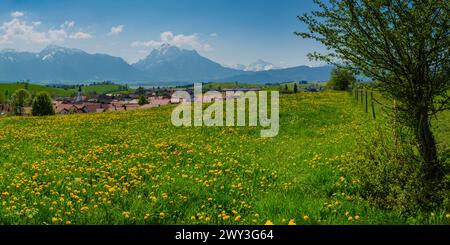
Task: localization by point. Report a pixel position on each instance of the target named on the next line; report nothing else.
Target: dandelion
(357, 217)
(350, 218)
(68, 222)
(126, 215)
(237, 218)
(306, 217)
(291, 222)
(268, 222)
(225, 217)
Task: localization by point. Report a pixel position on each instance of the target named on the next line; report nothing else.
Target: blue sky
(229, 32)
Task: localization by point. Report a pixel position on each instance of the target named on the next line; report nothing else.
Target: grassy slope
(102, 88)
(135, 167)
(216, 85)
(34, 88)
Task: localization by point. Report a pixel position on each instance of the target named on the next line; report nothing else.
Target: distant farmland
(34, 88)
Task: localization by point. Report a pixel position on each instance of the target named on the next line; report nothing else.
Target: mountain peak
(166, 49)
(51, 51)
(59, 49)
(258, 65)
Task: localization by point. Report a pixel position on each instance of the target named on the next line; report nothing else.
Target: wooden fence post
(362, 96)
(373, 108)
(366, 101)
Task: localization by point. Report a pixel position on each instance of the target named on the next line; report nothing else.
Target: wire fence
(368, 98)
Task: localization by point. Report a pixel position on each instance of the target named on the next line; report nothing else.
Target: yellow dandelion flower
(237, 218)
(291, 222)
(268, 222)
(68, 222)
(306, 217)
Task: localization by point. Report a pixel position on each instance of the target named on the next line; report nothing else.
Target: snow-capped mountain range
(259, 65)
(166, 64)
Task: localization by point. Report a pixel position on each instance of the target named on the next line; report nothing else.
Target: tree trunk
(427, 147)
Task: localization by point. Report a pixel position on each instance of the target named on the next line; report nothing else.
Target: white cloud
(20, 30)
(116, 30)
(214, 34)
(56, 35)
(80, 35)
(147, 44)
(183, 41)
(68, 24)
(17, 14)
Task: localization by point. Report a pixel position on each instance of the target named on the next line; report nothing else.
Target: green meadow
(134, 167)
(34, 88)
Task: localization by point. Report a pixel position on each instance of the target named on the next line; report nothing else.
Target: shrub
(341, 79)
(142, 100)
(388, 168)
(42, 105)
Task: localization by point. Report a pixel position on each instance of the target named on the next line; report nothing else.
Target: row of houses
(62, 107)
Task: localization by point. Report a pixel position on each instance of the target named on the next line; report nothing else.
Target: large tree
(42, 105)
(341, 78)
(404, 44)
(19, 99)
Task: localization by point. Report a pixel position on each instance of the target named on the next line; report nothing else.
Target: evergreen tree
(42, 105)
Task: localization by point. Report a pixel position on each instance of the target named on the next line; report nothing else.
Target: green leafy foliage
(142, 100)
(341, 79)
(42, 105)
(19, 99)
